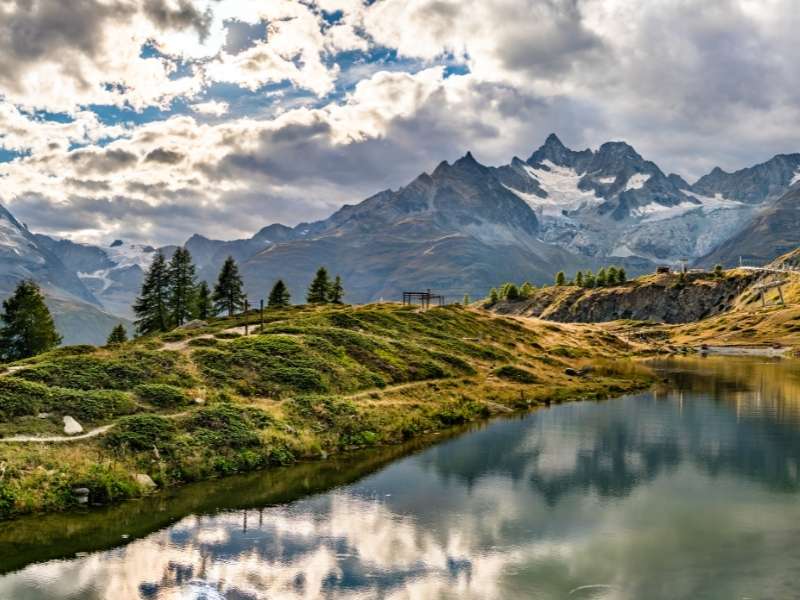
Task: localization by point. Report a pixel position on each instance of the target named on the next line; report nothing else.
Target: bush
(228, 426)
(142, 432)
(19, 398)
(162, 395)
(227, 335)
(515, 374)
(203, 342)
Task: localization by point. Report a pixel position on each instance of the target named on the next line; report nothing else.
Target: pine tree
(181, 277)
(319, 288)
(279, 296)
(621, 276)
(601, 279)
(589, 280)
(336, 291)
(28, 325)
(611, 278)
(718, 272)
(512, 293)
(117, 336)
(494, 296)
(465, 301)
(150, 308)
(579, 279)
(204, 307)
(228, 294)
(561, 279)
(526, 290)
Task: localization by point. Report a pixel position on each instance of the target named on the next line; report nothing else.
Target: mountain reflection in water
(685, 491)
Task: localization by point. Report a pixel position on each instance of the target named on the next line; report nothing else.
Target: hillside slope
(198, 403)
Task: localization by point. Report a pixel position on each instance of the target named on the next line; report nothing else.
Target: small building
(663, 269)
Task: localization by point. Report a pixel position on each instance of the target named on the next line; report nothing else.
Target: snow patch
(708, 204)
(636, 181)
(129, 255)
(561, 185)
(606, 180)
(796, 178)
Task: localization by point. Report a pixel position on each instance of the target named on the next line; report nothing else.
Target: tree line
(606, 276)
(171, 295)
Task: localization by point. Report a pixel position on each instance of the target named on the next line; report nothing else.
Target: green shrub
(142, 432)
(228, 426)
(87, 373)
(227, 335)
(7, 500)
(19, 398)
(95, 405)
(515, 374)
(203, 342)
(162, 395)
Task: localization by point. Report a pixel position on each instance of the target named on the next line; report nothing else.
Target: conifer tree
(526, 290)
(28, 328)
(512, 293)
(319, 288)
(228, 294)
(204, 307)
(561, 279)
(494, 296)
(465, 302)
(181, 277)
(579, 279)
(612, 275)
(336, 291)
(279, 296)
(601, 279)
(117, 336)
(588, 279)
(150, 308)
(621, 275)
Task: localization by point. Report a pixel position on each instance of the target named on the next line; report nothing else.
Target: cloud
(284, 110)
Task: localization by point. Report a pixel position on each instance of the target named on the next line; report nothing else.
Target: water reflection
(689, 491)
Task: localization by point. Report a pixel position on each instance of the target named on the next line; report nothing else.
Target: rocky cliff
(662, 298)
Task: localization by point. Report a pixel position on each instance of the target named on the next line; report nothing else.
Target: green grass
(315, 381)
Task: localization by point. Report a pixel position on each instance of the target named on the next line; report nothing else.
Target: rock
(571, 372)
(195, 324)
(43, 415)
(71, 426)
(145, 481)
(81, 495)
(578, 372)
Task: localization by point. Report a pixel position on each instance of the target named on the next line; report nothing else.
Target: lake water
(689, 490)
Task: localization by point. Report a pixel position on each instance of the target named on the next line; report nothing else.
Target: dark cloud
(184, 16)
(161, 155)
(103, 160)
(40, 29)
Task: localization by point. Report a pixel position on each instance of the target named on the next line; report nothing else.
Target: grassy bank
(195, 404)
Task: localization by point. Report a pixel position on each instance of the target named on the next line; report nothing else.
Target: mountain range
(460, 229)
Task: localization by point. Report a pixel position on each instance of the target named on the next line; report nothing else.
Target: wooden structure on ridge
(424, 299)
(763, 288)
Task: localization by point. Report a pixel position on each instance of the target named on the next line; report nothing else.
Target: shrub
(203, 342)
(515, 374)
(226, 425)
(19, 398)
(142, 432)
(227, 335)
(162, 395)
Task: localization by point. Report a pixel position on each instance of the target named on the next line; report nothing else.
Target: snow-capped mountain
(78, 314)
(613, 203)
(465, 227)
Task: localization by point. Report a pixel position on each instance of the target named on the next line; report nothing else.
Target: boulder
(195, 324)
(145, 481)
(71, 426)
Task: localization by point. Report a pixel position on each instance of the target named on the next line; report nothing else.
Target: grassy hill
(199, 403)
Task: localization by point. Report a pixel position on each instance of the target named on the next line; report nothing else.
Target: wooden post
(780, 293)
(262, 316)
(246, 306)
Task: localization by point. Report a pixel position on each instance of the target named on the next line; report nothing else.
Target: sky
(151, 120)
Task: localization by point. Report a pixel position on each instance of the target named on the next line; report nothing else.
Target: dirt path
(57, 439)
(181, 345)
